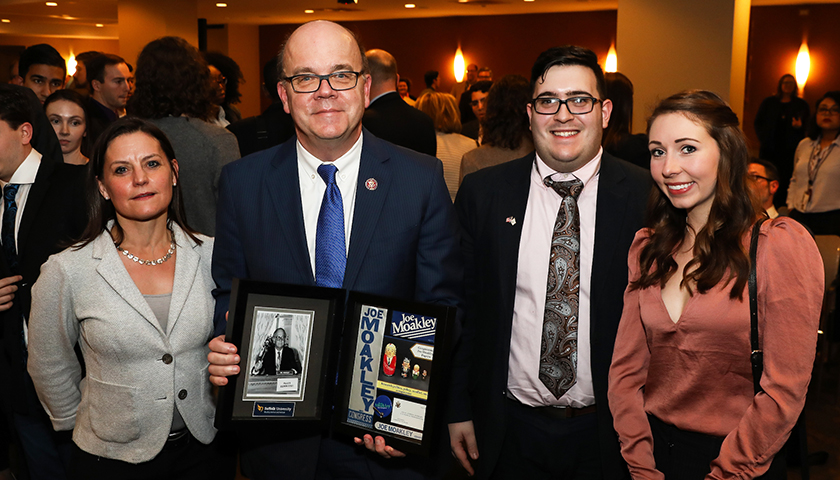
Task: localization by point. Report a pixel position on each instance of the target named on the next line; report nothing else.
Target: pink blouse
(695, 374)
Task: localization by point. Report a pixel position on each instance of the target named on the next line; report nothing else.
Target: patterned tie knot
(564, 189)
(327, 172)
(9, 192)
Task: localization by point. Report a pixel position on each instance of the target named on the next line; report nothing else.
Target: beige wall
(244, 47)
(141, 21)
(665, 46)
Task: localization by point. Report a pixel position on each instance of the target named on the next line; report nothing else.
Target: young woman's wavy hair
(719, 245)
(172, 79)
(101, 211)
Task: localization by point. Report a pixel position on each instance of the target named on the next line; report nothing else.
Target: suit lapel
(186, 269)
(373, 165)
(37, 193)
(113, 271)
(610, 217)
(283, 186)
(512, 202)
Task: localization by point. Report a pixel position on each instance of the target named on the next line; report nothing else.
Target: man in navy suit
(397, 232)
(509, 424)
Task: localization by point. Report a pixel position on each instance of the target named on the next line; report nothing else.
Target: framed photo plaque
(393, 371)
(287, 337)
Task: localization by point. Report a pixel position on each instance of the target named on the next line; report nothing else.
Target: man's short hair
(566, 56)
(770, 170)
(270, 79)
(482, 86)
(281, 75)
(383, 67)
(429, 77)
(486, 69)
(15, 106)
(96, 67)
(41, 54)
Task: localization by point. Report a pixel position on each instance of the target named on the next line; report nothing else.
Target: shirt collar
(28, 170)
(310, 163)
(584, 173)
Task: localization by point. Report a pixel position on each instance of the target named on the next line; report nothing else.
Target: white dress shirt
(312, 188)
(25, 177)
(531, 278)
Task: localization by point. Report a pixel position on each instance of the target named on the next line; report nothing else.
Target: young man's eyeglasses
(576, 105)
(310, 82)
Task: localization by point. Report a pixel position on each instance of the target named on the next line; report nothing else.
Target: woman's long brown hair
(718, 246)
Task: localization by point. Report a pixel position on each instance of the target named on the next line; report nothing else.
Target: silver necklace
(152, 263)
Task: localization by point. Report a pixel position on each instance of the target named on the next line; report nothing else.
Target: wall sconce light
(611, 65)
(459, 66)
(803, 66)
(71, 64)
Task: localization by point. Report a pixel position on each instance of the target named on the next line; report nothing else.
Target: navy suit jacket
(403, 244)
(491, 250)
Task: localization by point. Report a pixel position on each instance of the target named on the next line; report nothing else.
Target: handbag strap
(756, 356)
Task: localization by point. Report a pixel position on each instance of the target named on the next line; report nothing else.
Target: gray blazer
(136, 372)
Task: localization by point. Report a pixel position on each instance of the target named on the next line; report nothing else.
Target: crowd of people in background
(124, 224)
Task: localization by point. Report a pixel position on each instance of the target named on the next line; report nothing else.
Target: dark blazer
(98, 119)
(54, 215)
(288, 361)
(391, 119)
(403, 244)
(273, 127)
(491, 249)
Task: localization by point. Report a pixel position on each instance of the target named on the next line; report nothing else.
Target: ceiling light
(410, 5)
(221, 5)
(100, 25)
(309, 11)
(52, 4)
(529, 0)
(5, 20)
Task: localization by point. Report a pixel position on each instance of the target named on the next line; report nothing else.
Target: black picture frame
(311, 319)
(374, 395)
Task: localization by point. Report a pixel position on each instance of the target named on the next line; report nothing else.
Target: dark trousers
(46, 451)
(538, 446)
(684, 455)
(184, 459)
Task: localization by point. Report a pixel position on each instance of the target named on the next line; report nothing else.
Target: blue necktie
(330, 250)
(8, 233)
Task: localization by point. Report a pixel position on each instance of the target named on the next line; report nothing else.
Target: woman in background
(451, 145)
(506, 128)
(780, 124)
(226, 76)
(173, 92)
(814, 193)
(681, 385)
(618, 139)
(66, 112)
(134, 294)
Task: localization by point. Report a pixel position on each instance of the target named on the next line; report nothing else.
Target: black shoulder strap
(757, 356)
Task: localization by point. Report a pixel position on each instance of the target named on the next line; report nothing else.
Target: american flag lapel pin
(510, 220)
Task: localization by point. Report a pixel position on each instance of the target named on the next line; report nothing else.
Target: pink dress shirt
(531, 278)
(695, 374)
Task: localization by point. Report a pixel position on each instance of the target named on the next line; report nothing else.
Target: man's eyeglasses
(756, 177)
(835, 110)
(310, 82)
(576, 105)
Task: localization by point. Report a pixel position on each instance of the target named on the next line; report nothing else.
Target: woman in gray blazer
(134, 294)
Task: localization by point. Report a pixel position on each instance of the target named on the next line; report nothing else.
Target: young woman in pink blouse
(681, 386)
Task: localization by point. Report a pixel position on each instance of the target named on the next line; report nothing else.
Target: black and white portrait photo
(278, 354)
